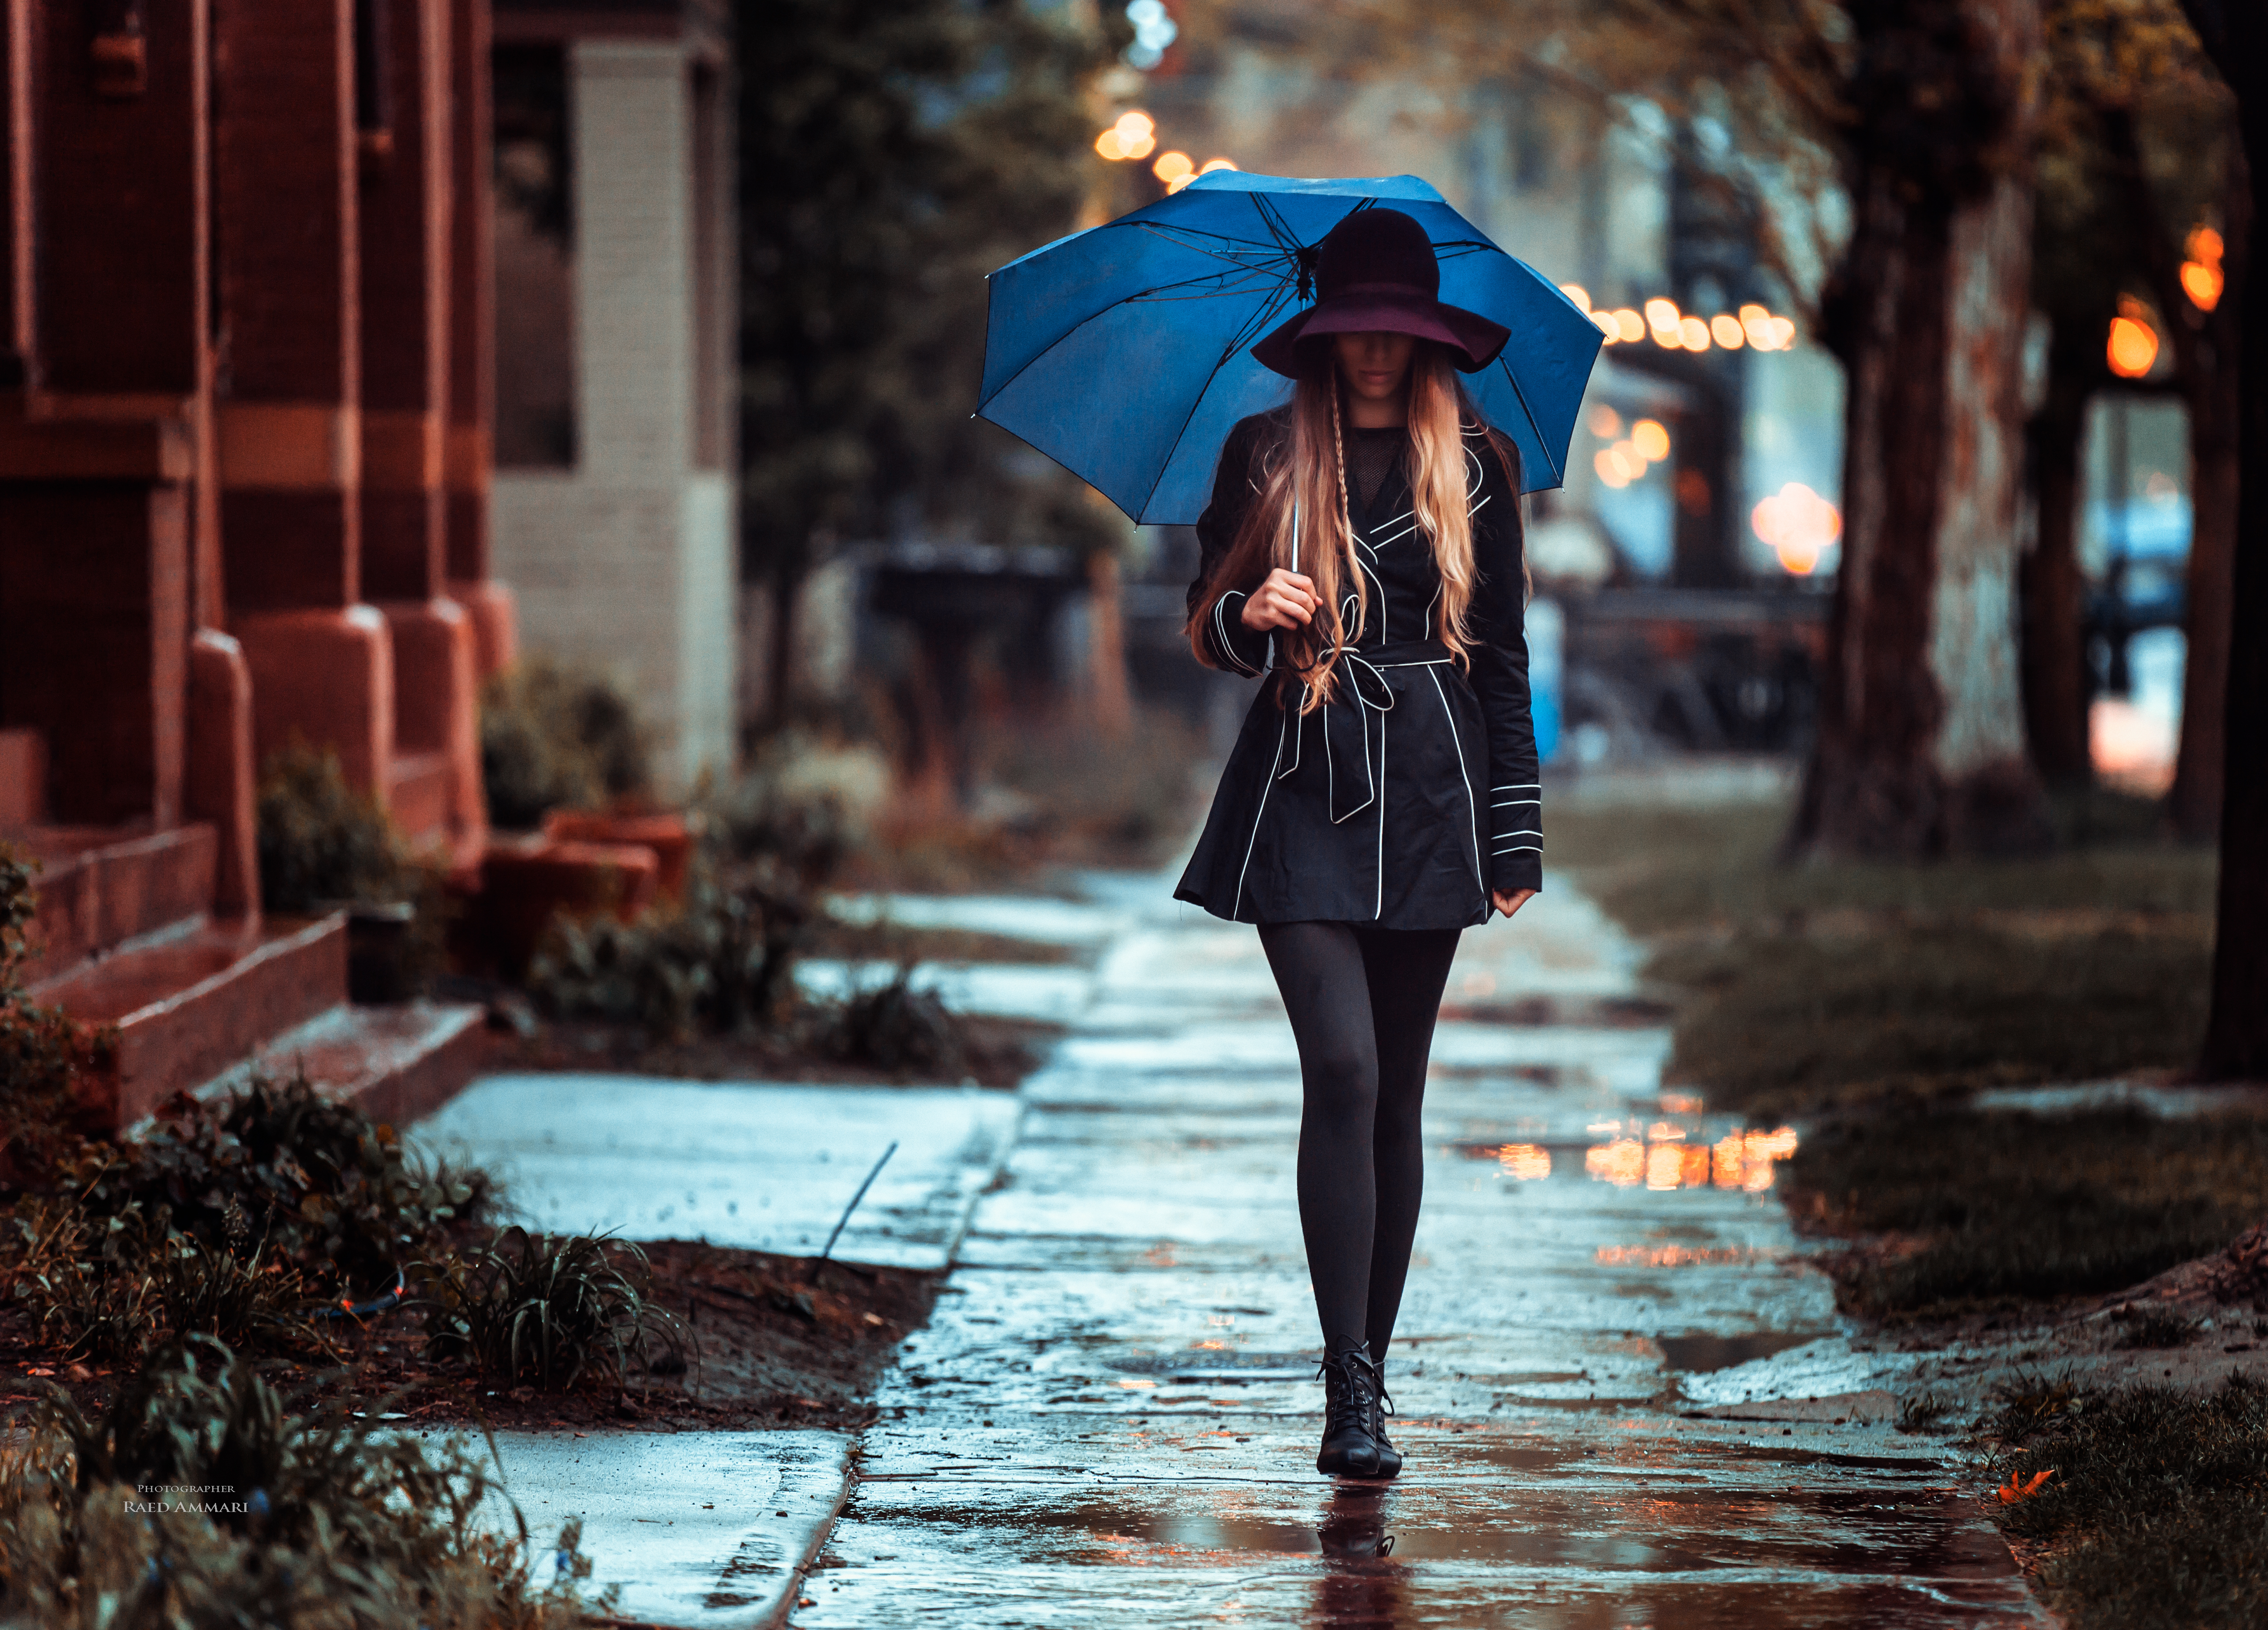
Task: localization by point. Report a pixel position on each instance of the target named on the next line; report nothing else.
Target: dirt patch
(886, 942)
(1000, 1052)
(774, 1342)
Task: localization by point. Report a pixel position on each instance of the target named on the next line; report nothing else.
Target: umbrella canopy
(1123, 353)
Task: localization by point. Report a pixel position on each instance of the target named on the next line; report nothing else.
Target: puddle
(1232, 1366)
(1699, 1354)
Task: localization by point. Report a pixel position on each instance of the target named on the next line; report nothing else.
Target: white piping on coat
(1237, 904)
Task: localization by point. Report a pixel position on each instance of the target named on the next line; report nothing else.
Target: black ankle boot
(1350, 1406)
(1390, 1459)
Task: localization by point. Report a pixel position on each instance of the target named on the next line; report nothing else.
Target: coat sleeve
(1497, 649)
(1231, 646)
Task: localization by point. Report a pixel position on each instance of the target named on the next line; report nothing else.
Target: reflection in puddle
(1676, 1256)
(1360, 1585)
(1663, 1158)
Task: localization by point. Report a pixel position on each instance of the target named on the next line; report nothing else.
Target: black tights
(1363, 1002)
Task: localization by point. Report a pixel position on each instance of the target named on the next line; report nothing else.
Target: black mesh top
(1371, 455)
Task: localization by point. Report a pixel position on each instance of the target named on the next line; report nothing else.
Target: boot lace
(1350, 1388)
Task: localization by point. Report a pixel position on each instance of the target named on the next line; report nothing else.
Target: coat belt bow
(1350, 738)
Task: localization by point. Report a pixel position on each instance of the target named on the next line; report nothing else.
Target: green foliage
(724, 960)
(891, 153)
(2011, 1208)
(543, 1310)
(52, 1071)
(312, 1181)
(107, 1287)
(555, 737)
(762, 817)
(2157, 1514)
(307, 1521)
(321, 841)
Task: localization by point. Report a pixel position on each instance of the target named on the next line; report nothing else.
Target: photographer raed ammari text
(159, 1498)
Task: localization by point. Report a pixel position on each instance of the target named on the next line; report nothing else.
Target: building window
(534, 260)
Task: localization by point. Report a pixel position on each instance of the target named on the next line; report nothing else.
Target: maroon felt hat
(1375, 271)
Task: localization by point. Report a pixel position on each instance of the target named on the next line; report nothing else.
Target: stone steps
(193, 1001)
(101, 886)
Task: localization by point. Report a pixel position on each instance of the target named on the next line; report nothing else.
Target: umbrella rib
(1252, 325)
(1129, 299)
(1558, 476)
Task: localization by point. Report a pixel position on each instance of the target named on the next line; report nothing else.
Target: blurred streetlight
(2133, 345)
(2201, 275)
(1605, 422)
(1694, 332)
(1727, 331)
(1153, 32)
(1174, 169)
(1651, 440)
(1661, 317)
(1134, 135)
(1799, 524)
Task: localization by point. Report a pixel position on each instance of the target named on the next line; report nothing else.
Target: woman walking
(1363, 548)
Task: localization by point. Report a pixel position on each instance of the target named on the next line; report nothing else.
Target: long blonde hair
(1301, 520)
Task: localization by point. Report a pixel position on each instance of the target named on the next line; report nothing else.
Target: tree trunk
(2193, 803)
(2211, 375)
(1921, 747)
(2048, 579)
(2236, 1032)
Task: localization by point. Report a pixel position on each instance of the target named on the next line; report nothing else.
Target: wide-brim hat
(1375, 271)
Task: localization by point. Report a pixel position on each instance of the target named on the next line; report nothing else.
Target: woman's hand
(1286, 599)
(1510, 902)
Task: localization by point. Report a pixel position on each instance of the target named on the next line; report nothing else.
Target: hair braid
(1346, 519)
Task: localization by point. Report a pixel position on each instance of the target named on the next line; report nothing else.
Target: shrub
(55, 1091)
(324, 1187)
(545, 1311)
(307, 1520)
(722, 960)
(897, 1027)
(552, 738)
(322, 842)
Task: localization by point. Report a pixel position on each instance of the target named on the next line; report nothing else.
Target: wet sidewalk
(1110, 1420)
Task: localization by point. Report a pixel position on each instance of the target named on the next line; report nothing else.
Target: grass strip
(1992, 1210)
(1810, 986)
(2156, 1513)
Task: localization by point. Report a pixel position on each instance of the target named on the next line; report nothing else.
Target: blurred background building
(614, 501)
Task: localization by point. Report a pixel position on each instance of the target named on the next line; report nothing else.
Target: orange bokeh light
(2202, 282)
(2132, 346)
(1799, 524)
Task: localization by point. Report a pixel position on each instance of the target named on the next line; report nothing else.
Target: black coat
(1402, 801)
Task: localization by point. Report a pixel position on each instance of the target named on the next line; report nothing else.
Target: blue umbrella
(1123, 353)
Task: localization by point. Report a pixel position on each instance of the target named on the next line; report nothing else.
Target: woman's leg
(1319, 970)
(1406, 971)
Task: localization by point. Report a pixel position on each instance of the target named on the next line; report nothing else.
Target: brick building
(614, 503)
(245, 434)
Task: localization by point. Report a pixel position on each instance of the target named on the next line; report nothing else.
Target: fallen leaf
(2014, 1491)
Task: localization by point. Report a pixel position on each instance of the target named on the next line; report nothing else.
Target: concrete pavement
(1110, 1420)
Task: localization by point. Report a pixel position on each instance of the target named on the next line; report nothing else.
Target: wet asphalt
(1111, 1419)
